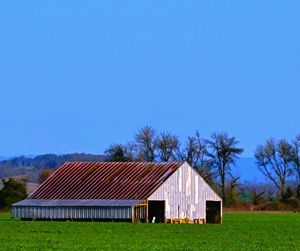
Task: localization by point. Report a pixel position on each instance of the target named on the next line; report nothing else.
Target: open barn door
(213, 212)
(156, 208)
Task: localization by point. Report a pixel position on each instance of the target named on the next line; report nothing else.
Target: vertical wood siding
(185, 194)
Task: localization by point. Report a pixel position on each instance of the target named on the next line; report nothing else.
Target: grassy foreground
(240, 231)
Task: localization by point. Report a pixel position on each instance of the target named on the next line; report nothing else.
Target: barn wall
(28, 212)
(185, 194)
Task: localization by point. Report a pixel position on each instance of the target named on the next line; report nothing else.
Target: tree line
(279, 162)
(214, 157)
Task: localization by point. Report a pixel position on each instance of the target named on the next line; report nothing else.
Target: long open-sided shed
(123, 191)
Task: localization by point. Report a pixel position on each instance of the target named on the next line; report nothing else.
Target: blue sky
(76, 76)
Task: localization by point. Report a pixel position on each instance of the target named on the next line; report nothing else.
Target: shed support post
(221, 212)
(147, 218)
(132, 214)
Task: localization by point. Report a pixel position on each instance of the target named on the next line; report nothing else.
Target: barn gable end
(185, 194)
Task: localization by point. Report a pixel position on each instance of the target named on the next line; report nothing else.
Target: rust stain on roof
(105, 180)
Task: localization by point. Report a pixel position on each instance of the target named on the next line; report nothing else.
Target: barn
(123, 191)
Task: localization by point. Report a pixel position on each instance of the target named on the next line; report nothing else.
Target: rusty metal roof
(105, 180)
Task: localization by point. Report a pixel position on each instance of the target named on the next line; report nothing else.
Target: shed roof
(105, 180)
(76, 203)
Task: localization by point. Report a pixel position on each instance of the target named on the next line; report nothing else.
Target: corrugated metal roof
(77, 203)
(105, 180)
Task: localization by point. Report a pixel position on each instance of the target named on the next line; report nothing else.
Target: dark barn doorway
(213, 212)
(156, 208)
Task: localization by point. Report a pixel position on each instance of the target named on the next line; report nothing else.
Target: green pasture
(239, 231)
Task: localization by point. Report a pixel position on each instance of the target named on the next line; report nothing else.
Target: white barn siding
(185, 194)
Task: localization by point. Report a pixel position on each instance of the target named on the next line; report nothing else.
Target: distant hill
(31, 166)
(3, 158)
(245, 167)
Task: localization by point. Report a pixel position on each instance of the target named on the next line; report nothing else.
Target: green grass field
(239, 231)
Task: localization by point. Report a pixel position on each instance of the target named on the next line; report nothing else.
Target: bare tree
(257, 192)
(207, 173)
(132, 151)
(118, 153)
(274, 160)
(233, 191)
(195, 153)
(146, 141)
(45, 174)
(257, 197)
(223, 152)
(296, 157)
(166, 146)
(189, 152)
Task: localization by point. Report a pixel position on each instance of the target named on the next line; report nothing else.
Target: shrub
(12, 192)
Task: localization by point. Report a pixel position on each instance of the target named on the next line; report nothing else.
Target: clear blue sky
(76, 76)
